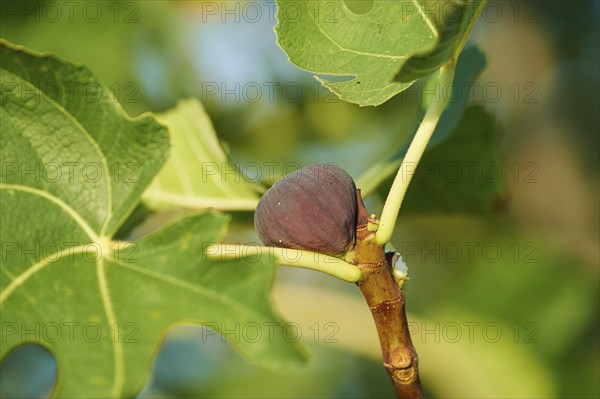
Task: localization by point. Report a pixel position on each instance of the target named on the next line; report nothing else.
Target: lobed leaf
(73, 168)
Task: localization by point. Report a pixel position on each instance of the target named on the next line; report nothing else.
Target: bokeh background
(504, 296)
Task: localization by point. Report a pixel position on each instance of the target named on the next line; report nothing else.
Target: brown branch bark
(386, 303)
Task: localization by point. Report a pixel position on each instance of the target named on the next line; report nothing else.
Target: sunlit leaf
(74, 167)
(198, 174)
(379, 53)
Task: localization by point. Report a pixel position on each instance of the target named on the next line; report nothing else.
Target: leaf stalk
(414, 154)
(333, 266)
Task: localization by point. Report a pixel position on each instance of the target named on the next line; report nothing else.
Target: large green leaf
(198, 174)
(384, 50)
(73, 167)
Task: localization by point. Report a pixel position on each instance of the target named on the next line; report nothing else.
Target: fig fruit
(313, 208)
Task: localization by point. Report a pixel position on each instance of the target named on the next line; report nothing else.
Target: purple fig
(313, 208)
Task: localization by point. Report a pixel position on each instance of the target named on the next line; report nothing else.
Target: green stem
(413, 156)
(335, 267)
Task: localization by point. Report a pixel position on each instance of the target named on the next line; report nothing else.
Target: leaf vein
(112, 320)
(392, 57)
(36, 267)
(426, 18)
(60, 203)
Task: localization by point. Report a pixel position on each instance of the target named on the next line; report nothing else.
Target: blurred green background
(504, 295)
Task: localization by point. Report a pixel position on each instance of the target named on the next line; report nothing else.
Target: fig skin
(313, 208)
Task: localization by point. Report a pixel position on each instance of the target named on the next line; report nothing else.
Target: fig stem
(415, 151)
(333, 266)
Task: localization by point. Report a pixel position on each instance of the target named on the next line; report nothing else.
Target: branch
(386, 303)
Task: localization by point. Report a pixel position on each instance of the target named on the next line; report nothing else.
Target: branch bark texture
(386, 302)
